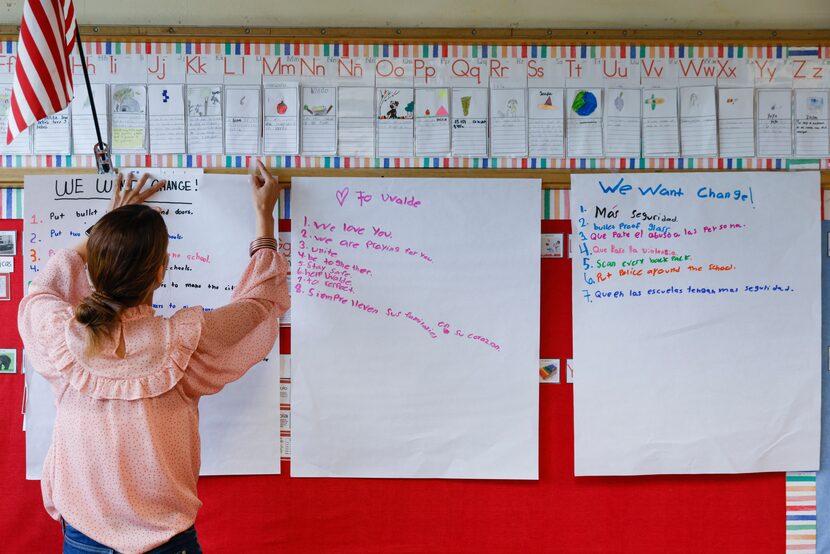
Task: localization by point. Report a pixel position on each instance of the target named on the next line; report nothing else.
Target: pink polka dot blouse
(125, 452)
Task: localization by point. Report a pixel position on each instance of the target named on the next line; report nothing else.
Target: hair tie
(106, 299)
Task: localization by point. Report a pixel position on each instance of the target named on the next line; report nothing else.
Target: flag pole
(101, 151)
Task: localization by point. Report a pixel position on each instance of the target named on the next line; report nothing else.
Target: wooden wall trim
(461, 35)
(551, 178)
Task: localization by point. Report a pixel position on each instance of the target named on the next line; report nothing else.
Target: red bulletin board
(558, 513)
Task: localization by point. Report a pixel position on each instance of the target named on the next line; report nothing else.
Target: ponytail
(99, 313)
(125, 250)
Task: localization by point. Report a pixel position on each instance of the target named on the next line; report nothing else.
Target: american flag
(42, 74)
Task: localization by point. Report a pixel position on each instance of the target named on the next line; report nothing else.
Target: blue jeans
(75, 542)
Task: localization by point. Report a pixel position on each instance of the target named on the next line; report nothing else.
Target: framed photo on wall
(5, 286)
(8, 243)
(8, 360)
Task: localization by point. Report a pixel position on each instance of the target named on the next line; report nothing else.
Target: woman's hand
(266, 191)
(131, 193)
(123, 195)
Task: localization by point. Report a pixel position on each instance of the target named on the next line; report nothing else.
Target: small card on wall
(242, 105)
(281, 128)
(432, 121)
(811, 123)
(549, 370)
(53, 134)
(553, 245)
(5, 287)
(8, 360)
(167, 130)
(508, 122)
(356, 121)
(83, 126)
(569, 370)
(622, 123)
(395, 114)
(736, 123)
(22, 144)
(204, 119)
(774, 123)
(660, 123)
(6, 264)
(546, 122)
(585, 123)
(698, 122)
(469, 121)
(319, 136)
(129, 119)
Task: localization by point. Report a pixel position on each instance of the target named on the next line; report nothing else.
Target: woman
(122, 469)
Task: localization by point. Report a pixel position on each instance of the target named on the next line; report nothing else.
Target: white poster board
(210, 223)
(415, 328)
(696, 308)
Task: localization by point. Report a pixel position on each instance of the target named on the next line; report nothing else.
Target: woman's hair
(124, 253)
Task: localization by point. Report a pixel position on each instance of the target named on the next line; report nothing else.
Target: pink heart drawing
(342, 194)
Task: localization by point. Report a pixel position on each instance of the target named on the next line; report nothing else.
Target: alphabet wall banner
(394, 72)
(696, 312)
(166, 68)
(209, 220)
(125, 70)
(415, 330)
(546, 72)
(469, 72)
(356, 71)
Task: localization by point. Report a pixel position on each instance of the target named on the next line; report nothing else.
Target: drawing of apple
(282, 107)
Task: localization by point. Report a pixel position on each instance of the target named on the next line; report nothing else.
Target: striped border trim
(11, 203)
(556, 204)
(801, 512)
(445, 50)
(285, 204)
(339, 162)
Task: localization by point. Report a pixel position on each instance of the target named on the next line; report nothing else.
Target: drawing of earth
(585, 103)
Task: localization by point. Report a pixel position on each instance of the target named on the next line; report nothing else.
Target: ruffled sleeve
(153, 371)
(242, 333)
(46, 309)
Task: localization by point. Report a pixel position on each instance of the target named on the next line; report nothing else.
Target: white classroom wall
(654, 14)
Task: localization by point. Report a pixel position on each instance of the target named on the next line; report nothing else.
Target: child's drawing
(433, 102)
(390, 107)
(619, 102)
(815, 103)
(548, 104)
(5, 102)
(204, 101)
(654, 101)
(125, 100)
(585, 103)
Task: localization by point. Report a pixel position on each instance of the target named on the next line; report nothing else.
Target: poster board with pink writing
(415, 328)
(210, 224)
(696, 312)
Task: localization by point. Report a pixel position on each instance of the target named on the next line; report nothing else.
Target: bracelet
(262, 242)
